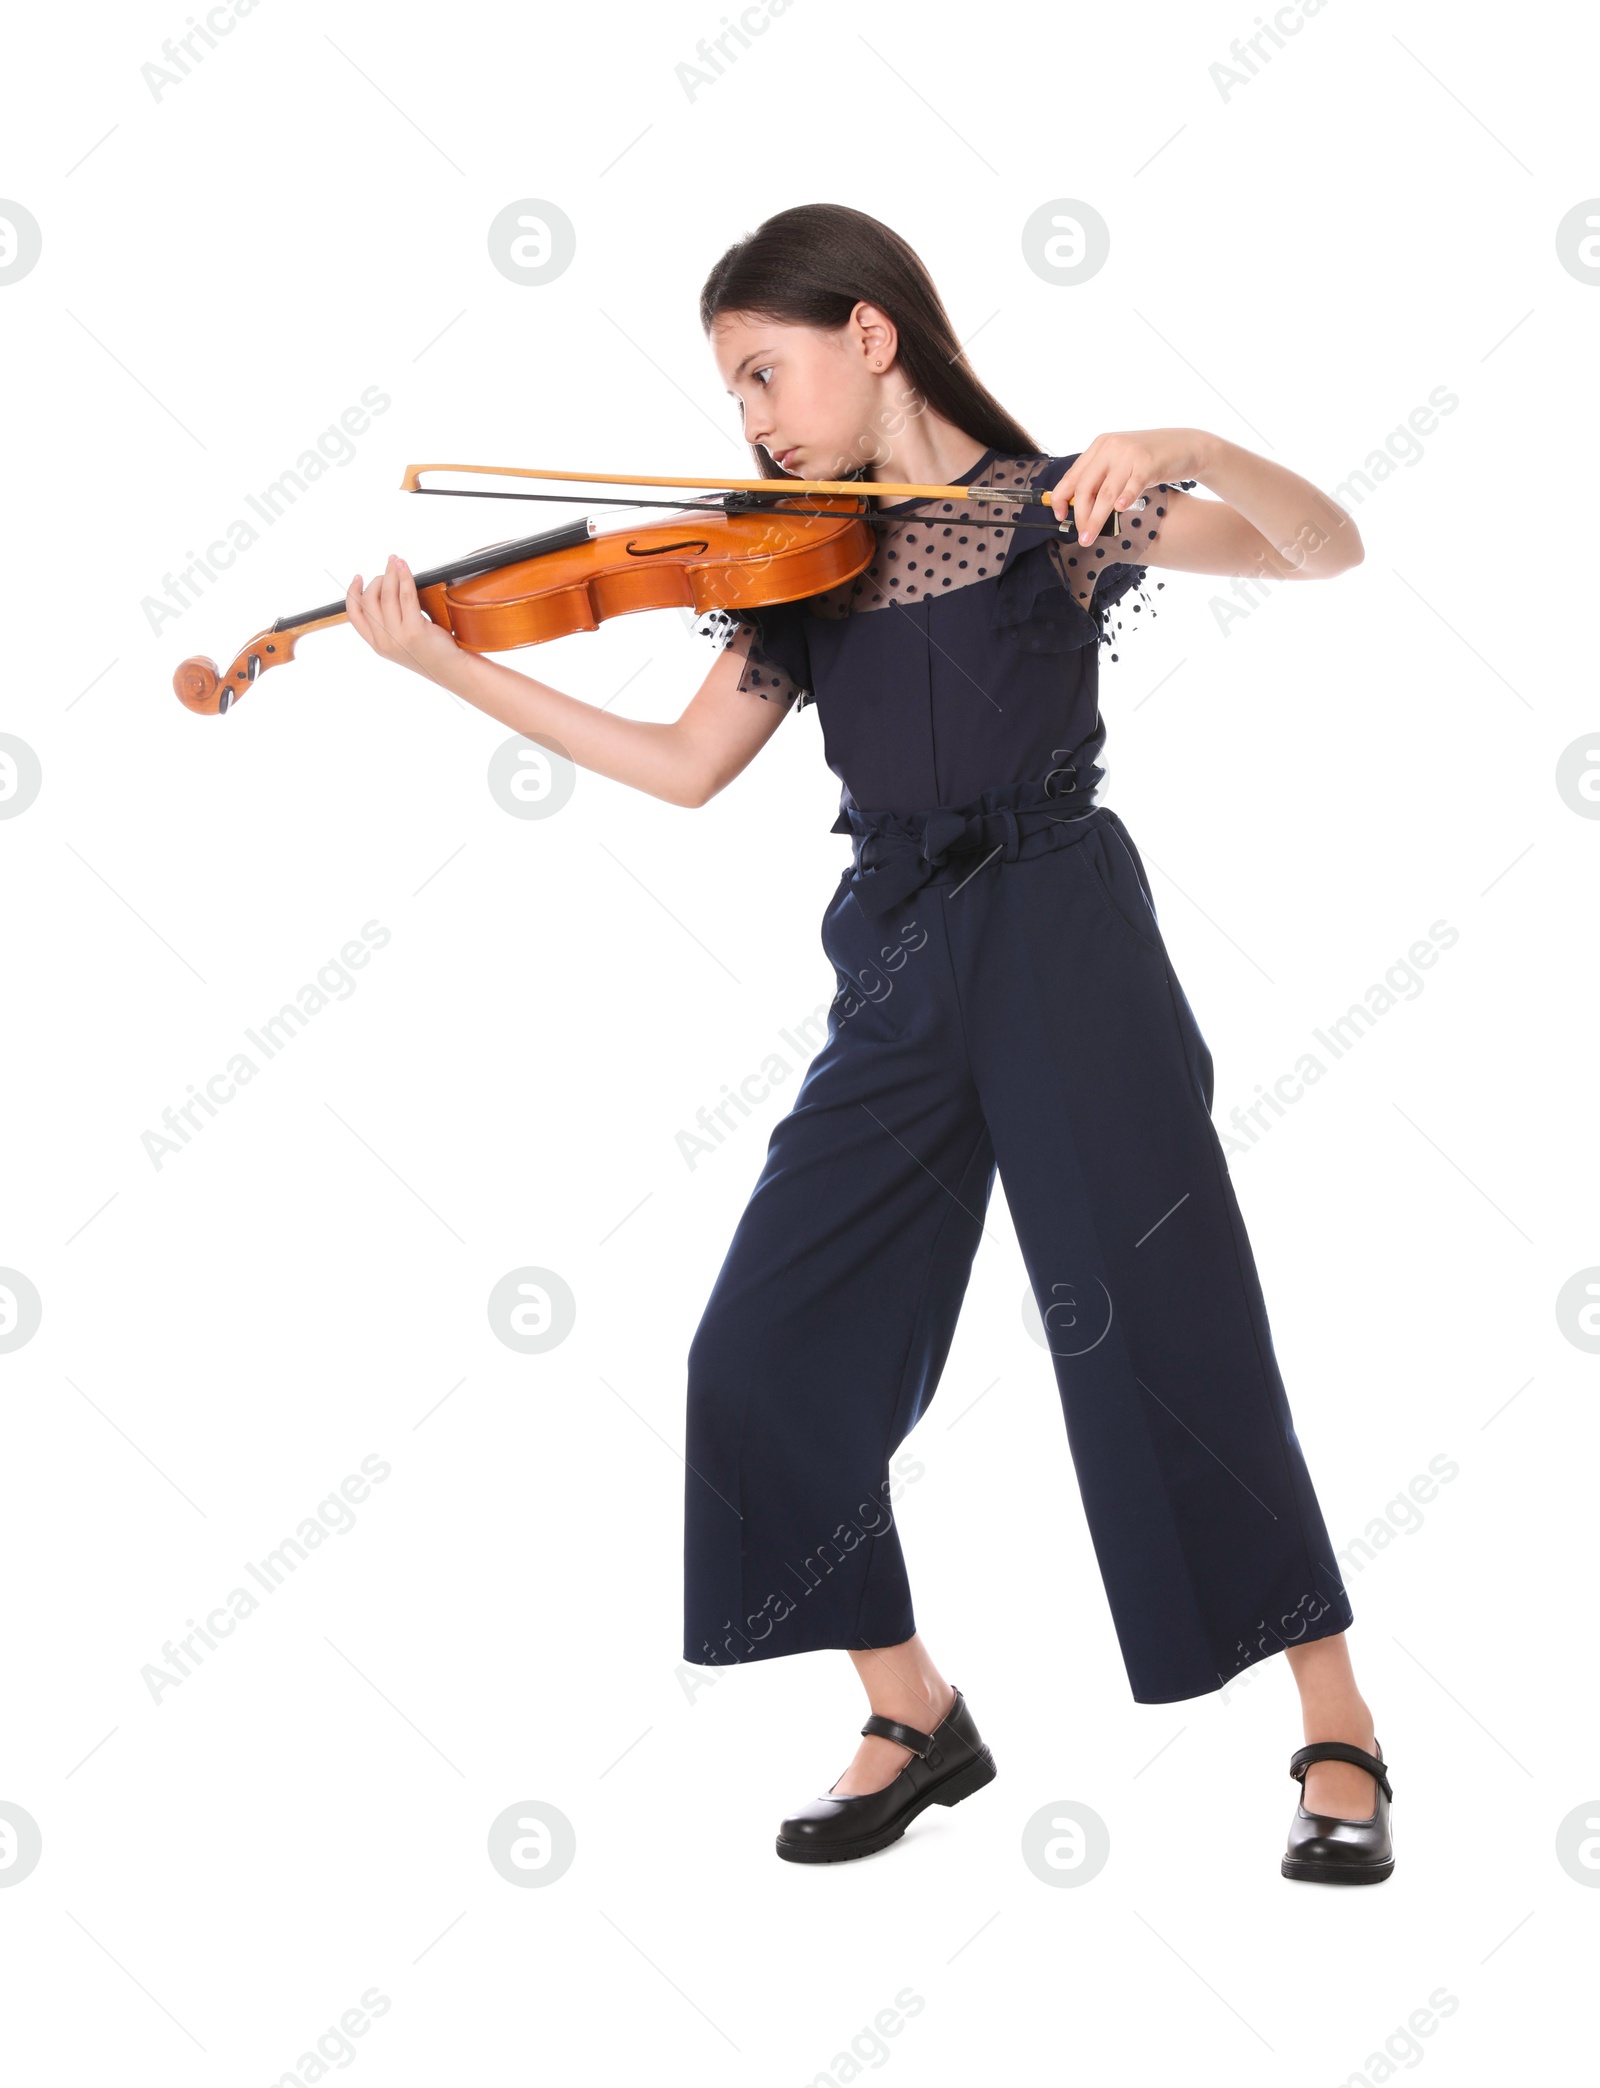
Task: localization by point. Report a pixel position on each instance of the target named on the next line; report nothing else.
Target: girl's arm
(686, 763)
(1268, 523)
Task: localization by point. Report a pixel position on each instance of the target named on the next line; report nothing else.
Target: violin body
(718, 562)
(575, 578)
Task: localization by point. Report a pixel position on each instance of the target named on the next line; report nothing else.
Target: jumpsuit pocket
(1115, 875)
(1196, 1051)
(1114, 868)
(838, 900)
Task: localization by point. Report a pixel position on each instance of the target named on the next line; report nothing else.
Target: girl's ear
(876, 335)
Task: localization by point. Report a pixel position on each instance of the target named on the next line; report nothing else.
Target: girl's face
(819, 401)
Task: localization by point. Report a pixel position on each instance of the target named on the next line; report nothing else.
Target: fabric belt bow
(897, 853)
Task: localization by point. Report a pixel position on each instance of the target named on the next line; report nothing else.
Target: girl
(1005, 1001)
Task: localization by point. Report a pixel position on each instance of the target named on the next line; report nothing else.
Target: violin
(756, 543)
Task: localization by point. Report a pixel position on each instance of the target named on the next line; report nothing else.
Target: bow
(749, 493)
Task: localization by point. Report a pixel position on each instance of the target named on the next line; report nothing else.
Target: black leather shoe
(946, 1765)
(1333, 1851)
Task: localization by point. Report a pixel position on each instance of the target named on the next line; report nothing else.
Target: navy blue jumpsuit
(1004, 999)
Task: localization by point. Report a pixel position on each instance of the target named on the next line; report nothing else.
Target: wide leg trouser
(1024, 1015)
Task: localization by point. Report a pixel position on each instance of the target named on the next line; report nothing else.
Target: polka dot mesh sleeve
(771, 643)
(1092, 567)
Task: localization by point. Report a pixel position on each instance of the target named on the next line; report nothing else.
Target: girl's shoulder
(997, 470)
(1027, 470)
(1026, 467)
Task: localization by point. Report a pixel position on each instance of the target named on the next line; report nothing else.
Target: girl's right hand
(391, 618)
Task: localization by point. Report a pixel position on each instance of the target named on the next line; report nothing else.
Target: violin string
(717, 507)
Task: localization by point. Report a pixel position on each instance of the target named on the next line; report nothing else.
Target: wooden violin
(759, 542)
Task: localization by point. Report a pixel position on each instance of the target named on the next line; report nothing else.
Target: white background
(1296, 264)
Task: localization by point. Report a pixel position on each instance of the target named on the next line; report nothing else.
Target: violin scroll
(202, 686)
(195, 685)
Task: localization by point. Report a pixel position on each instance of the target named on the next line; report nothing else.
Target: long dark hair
(809, 266)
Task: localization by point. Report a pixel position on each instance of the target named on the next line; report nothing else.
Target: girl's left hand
(391, 618)
(1115, 470)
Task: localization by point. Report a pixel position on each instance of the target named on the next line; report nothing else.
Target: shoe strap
(1339, 1751)
(904, 1735)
